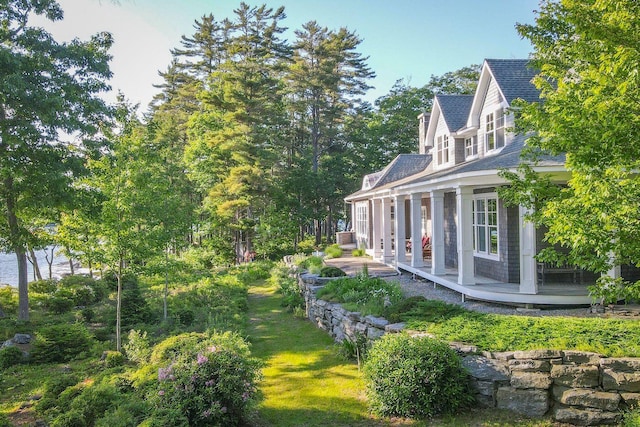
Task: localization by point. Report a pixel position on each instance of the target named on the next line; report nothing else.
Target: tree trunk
(119, 306)
(166, 285)
(19, 249)
(36, 268)
(50, 261)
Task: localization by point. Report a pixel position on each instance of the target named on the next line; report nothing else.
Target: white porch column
(416, 230)
(387, 253)
(377, 228)
(528, 270)
(400, 230)
(464, 210)
(437, 232)
(616, 271)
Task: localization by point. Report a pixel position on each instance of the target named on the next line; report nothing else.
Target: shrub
(60, 343)
(87, 290)
(127, 414)
(213, 383)
(307, 246)
(9, 299)
(4, 421)
(61, 302)
(172, 347)
(69, 419)
(113, 359)
(95, 400)
(423, 309)
(415, 377)
(358, 252)
(288, 286)
(55, 385)
(333, 251)
(10, 356)
(368, 295)
(331, 271)
(46, 287)
(137, 346)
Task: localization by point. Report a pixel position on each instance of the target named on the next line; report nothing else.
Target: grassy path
(305, 382)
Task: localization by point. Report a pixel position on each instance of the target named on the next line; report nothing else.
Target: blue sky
(404, 39)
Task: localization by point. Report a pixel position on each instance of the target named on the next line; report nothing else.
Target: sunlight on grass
(305, 381)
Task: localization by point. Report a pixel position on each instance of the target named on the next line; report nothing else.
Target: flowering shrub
(213, 383)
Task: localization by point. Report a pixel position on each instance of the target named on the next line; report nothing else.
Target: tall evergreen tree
(46, 87)
(326, 78)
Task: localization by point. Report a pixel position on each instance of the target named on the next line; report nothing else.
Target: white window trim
(362, 218)
(440, 150)
(471, 156)
(486, 254)
(500, 112)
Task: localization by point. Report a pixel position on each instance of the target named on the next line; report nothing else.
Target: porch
(482, 288)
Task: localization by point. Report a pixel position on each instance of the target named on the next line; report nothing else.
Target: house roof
(514, 78)
(455, 109)
(403, 166)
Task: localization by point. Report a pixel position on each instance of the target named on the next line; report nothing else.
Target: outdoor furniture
(544, 268)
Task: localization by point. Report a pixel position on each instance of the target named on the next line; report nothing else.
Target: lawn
(306, 383)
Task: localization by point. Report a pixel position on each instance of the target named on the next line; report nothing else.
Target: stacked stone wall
(573, 387)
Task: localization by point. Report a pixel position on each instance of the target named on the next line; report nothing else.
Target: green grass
(608, 336)
(305, 382)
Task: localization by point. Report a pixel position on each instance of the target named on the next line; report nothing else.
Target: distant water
(9, 267)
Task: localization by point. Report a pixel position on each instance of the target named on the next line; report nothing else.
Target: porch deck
(485, 289)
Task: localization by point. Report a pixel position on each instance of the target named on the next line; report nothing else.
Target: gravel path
(421, 287)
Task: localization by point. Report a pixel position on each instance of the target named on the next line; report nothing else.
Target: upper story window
(494, 130)
(485, 225)
(470, 146)
(443, 149)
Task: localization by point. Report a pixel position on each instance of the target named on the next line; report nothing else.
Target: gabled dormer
(501, 81)
(448, 115)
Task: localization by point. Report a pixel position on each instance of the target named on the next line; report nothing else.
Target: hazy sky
(410, 39)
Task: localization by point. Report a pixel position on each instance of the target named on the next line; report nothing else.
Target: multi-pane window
(362, 220)
(485, 225)
(494, 130)
(470, 146)
(443, 149)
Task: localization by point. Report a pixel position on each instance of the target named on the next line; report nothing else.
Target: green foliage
(355, 349)
(492, 332)
(358, 252)
(415, 377)
(113, 359)
(10, 356)
(331, 271)
(127, 414)
(55, 385)
(4, 421)
(60, 343)
(307, 246)
(8, 299)
(85, 290)
(420, 308)
(170, 348)
(287, 283)
(587, 57)
(48, 286)
(333, 251)
(607, 290)
(212, 383)
(313, 264)
(69, 419)
(95, 400)
(368, 295)
(631, 418)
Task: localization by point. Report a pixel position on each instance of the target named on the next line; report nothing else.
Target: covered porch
(449, 217)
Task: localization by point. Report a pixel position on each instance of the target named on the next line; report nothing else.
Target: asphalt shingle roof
(455, 110)
(514, 78)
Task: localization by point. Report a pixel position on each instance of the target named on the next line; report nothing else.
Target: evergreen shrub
(60, 343)
(415, 377)
(331, 271)
(10, 356)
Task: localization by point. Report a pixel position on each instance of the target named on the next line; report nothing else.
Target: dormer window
(470, 147)
(443, 149)
(494, 130)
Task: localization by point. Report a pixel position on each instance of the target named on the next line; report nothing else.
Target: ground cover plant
(367, 295)
(493, 332)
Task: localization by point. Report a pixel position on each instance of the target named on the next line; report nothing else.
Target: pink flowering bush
(213, 383)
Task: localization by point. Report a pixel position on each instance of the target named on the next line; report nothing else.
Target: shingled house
(437, 214)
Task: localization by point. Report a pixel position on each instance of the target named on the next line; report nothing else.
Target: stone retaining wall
(573, 387)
